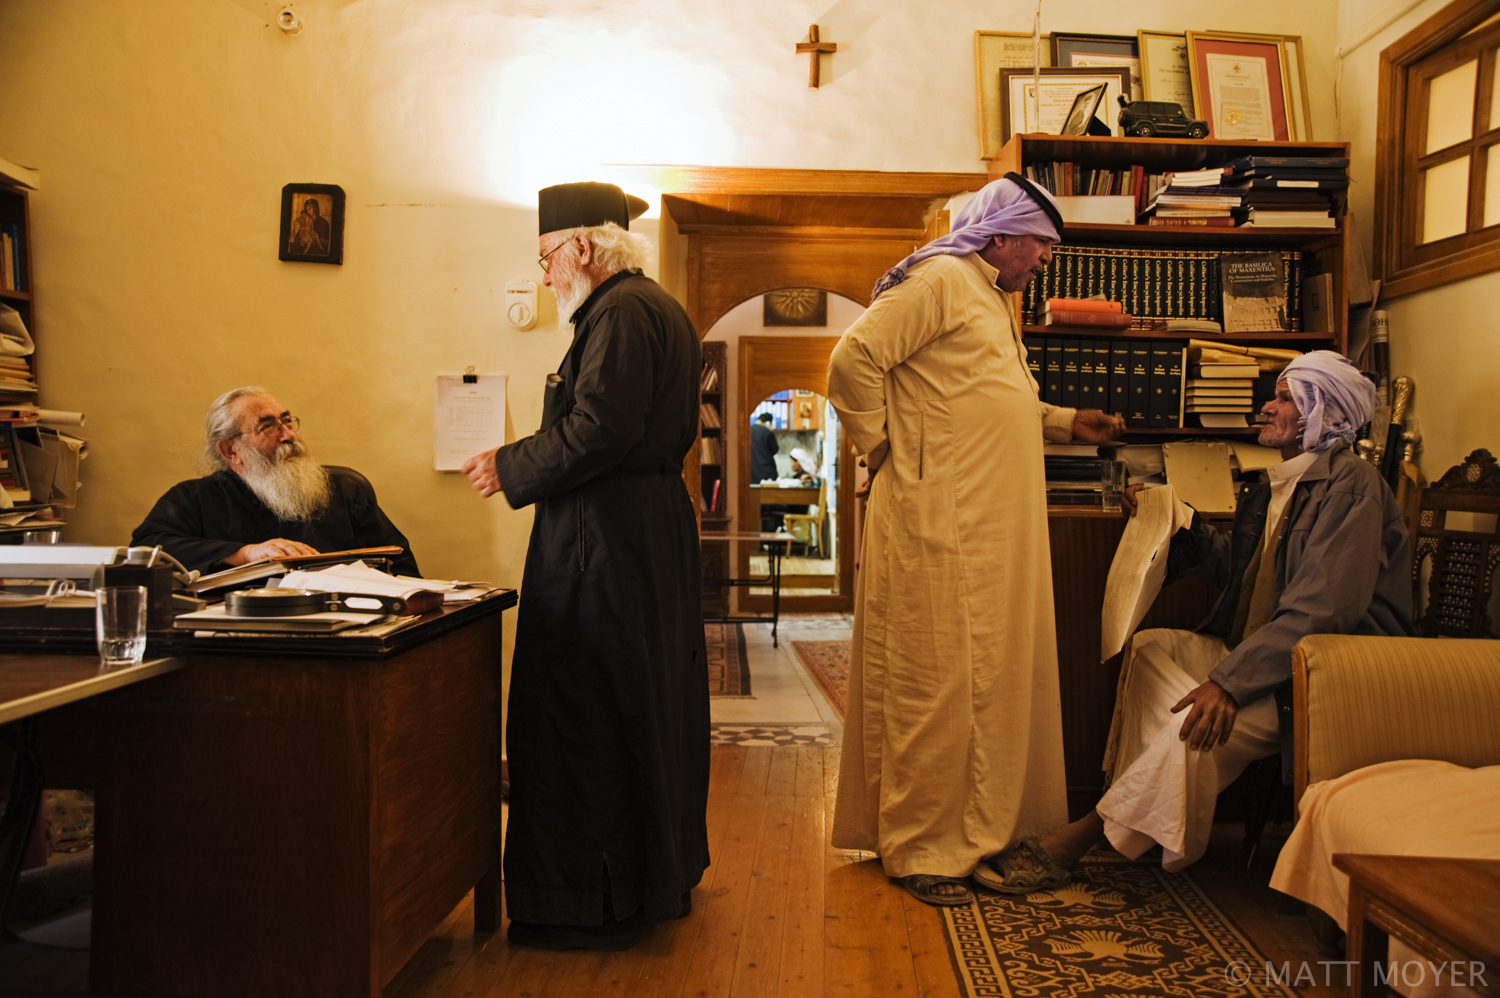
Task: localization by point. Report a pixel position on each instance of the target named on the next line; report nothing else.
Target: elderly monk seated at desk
(265, 496)
(1319, 549)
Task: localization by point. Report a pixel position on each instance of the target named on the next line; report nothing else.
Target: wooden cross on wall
(812, 48)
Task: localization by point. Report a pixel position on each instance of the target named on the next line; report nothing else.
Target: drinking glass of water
(120, 625)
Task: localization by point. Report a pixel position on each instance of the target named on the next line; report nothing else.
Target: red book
(1083, 305)
(1117, 320)
(1216, 221)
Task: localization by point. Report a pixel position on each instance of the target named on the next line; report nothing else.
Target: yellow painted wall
(165, 131)
(1445, 339)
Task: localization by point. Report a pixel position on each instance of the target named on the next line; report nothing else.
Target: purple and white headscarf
(1332, 396)
(1010, 206)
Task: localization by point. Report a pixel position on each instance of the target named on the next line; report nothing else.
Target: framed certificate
(1164, 69)
(1059, 89)
(994, 51)
(1071, 51)
(1240, 85)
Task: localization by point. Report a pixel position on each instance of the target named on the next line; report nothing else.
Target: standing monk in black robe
(608, 732)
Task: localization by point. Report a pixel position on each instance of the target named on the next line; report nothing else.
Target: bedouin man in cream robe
(953, 740)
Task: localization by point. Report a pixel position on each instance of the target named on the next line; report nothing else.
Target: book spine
(1159, 409)
(1035, 355)
(1052, 365)
(1140, 373)
(1101, 398)
(1083, 305)
(1118, 320)
(1119, 377)
(1086, 375)
(1069, 373)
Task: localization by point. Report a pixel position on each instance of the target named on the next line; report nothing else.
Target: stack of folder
(1221, 395)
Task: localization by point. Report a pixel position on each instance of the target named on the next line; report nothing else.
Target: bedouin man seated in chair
(265, 496)
(1321, 548)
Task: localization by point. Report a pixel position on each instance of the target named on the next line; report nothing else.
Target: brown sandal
(920, 886)
(1024, 868)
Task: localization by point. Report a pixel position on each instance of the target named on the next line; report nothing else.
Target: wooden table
(1446, 910)
(31, 685)
(772, 578)
(294, 816)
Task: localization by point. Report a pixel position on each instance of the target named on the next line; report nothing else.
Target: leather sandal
(920, 886)
(1024, 868)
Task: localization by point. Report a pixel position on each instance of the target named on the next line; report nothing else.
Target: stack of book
(1075, 474)
(15, 376)
(1194, 198)
(1288, 192)
(1085, 312)
(1221, 395)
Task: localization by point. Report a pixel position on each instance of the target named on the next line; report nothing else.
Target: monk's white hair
(615, 249)
(223, 423)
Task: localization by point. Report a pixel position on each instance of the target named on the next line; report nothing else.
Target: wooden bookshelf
(715, 358)
(1324, 251)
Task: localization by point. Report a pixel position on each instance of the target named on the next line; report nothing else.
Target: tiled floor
(786, 707)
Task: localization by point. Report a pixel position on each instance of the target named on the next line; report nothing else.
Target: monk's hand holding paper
(1211, 719)
(482, 475)
(1096, 427)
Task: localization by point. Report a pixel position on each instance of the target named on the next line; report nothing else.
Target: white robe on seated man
(1164, 792)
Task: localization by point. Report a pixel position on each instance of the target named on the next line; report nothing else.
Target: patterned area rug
(728, 668)
(828, 663)
(1119, 929)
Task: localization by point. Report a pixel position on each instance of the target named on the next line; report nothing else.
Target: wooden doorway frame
(728, 234)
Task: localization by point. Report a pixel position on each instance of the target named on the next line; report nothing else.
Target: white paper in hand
(1140, 565)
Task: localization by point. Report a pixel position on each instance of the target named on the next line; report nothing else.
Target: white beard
(570, 287)
(291, 484)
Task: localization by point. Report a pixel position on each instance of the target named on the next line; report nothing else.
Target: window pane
(1494, 96)
(1492, 185)
(1445, 200)
(1450, 106)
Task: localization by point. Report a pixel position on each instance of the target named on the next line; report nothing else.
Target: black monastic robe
(202, 521)
(608, 730)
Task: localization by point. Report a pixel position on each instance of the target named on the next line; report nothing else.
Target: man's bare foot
(1068, 844)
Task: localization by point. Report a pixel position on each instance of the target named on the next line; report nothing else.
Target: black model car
(1150, 117)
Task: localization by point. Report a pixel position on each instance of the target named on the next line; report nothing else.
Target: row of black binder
(1138, 379)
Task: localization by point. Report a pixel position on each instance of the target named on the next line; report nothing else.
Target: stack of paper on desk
(1140, 565)
(358, 577)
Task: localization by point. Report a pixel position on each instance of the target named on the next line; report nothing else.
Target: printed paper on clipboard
(467, 419)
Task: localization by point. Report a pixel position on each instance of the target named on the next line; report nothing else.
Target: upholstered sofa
(1397, 753)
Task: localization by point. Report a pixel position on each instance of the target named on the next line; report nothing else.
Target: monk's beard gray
(570, 287)
(291, 484)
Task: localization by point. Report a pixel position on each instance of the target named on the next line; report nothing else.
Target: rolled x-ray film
(59, 418)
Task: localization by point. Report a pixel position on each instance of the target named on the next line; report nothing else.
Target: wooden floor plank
(802, 941)
(756, 769)
(866, 951)
(809, 771)
(782, 777)
(757, 972)
(713, 962)
(936, 977)
(831, 758)
(726, 762)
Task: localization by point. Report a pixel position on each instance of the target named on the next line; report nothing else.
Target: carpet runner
(728, 667)
(828, 663)
(1119, 930)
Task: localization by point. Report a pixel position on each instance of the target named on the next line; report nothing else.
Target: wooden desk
(1446, 910)
(31, 685)
(294, 816)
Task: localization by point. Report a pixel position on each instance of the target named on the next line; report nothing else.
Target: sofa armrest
(1360, 700)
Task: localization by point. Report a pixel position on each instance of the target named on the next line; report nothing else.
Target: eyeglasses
(546, 264)
(272, 424)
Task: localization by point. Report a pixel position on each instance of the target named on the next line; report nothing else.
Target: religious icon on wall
(312, 223)
(795, 307)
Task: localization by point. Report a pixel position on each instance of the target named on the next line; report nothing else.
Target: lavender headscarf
(1010, 206)
(1334, 398)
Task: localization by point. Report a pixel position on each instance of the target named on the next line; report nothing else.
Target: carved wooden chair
(1463, 562)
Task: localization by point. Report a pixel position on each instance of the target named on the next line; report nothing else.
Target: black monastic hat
(573, 206)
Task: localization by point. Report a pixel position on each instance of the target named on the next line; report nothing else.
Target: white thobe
(1163, 792)
(953, 740)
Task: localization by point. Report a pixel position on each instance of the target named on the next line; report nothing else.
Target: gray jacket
(1343, 566)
